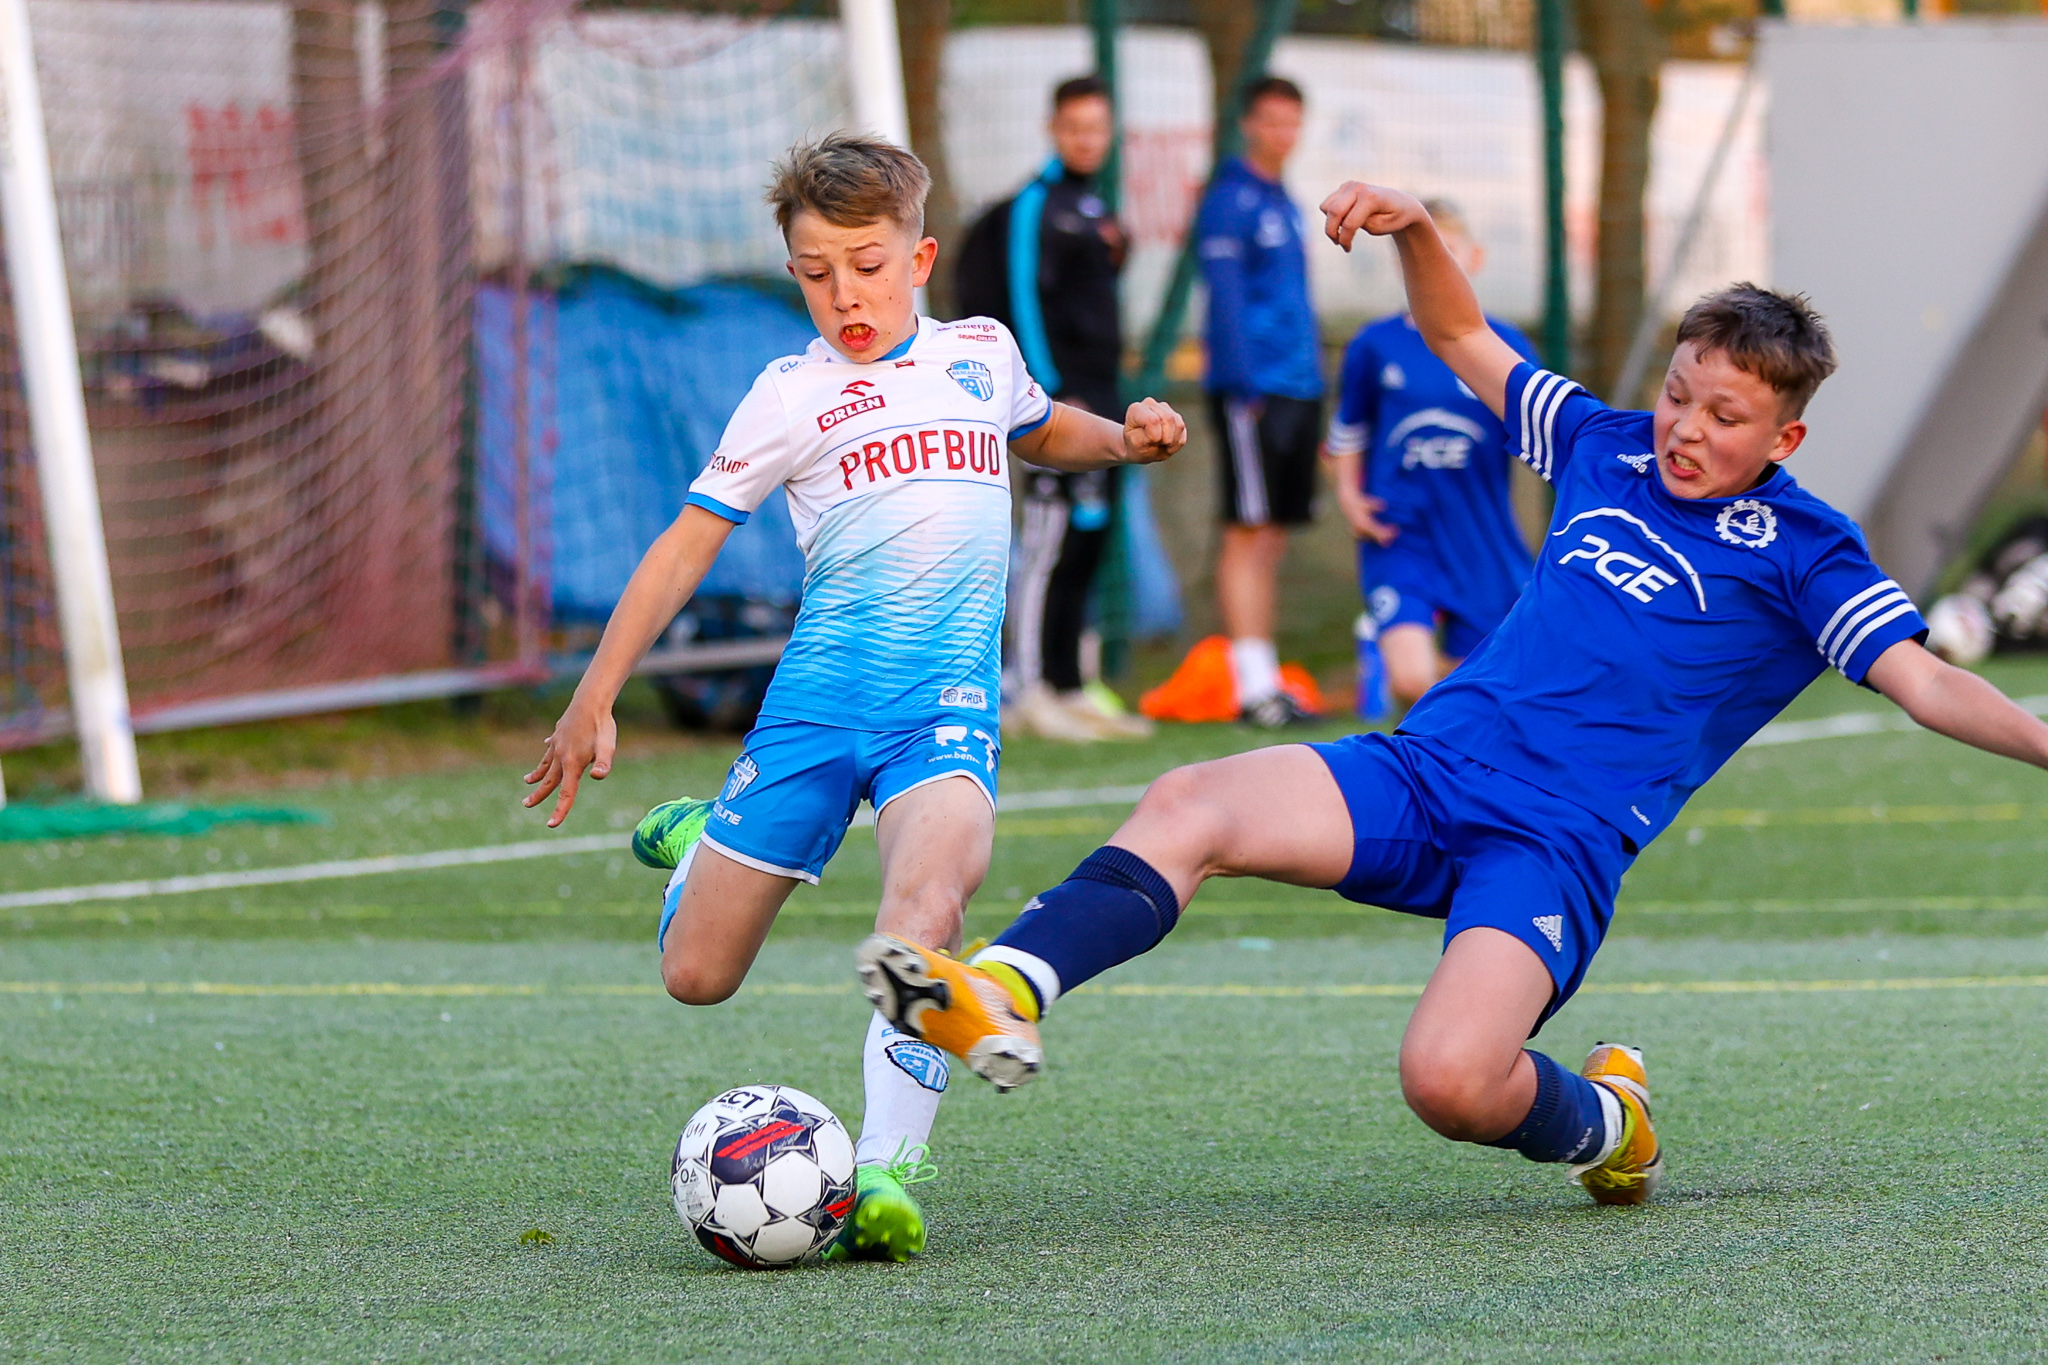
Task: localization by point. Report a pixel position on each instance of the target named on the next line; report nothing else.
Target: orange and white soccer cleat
(952, 1005)
(1631, 1172)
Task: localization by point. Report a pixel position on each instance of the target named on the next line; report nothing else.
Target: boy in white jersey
(889, 436)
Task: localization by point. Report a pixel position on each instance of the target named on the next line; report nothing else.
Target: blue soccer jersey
(1438, 458)
(1657, 633)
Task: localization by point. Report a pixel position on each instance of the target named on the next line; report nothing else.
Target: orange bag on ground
(1202, 689)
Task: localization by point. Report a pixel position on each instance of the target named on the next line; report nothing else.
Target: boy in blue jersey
(1265, 386)
(1420, 468)
(1687, 590)
(888, 437)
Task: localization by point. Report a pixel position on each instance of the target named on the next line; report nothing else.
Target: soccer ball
(763, 1175)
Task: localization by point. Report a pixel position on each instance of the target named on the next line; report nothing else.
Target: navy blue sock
(1567, 1122)
(1113, 907)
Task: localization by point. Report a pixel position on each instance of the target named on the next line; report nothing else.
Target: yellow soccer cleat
(1632, 1171)
(962, 1009)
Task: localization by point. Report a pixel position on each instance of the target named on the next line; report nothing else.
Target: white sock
(1610, 1114)
(1255, 668)
(1032, 968)
(904, 1078)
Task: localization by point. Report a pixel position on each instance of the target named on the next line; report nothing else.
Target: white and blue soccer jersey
(1657, 633)
(897, 475)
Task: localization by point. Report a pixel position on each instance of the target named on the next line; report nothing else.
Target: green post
(1275, 18)
(1557, 300)
(1775, 9)
(1104, 16)
(1113, 608)
(1912, 8)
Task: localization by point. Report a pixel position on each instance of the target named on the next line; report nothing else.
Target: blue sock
(1114, 907)
(1567, 1122)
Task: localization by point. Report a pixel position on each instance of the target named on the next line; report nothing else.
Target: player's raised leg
(714, 920)
(1273, 813)
(935, 841)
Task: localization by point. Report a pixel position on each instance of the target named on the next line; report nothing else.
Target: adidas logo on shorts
(1552, 927)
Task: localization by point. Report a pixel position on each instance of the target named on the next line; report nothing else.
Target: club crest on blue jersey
(744, 771)
(1748, 523)
(974, 377)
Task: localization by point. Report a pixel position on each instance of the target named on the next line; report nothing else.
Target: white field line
(1218, 991)
(1065, 798)
(1854, 723)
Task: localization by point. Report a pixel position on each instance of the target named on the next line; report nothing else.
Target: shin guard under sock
(1114, 907)
(1568, 1122)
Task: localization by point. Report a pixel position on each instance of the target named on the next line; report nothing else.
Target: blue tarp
(630, 388)
(640, 382)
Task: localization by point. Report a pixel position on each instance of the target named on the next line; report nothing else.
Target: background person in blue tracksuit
(1265, 385)
(1421, 472)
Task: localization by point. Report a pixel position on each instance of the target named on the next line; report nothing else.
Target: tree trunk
(921, 31)
(1227, 26)
(1626, 44)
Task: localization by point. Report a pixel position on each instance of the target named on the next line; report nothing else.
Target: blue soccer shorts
(1437, 834)
(1403, 588)
(796, 785)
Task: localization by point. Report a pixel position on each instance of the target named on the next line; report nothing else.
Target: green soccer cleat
(664, 834)
(886, 1224)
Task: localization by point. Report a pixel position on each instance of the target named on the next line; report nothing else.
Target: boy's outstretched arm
(1959, 704)
(1440, 297)
(1074, 441)
(586, 735)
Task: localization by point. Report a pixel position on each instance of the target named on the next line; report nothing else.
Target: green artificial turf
(281, 1165)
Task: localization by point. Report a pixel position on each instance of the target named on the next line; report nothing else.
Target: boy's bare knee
(1184, 804)
(692, 984)
(1451, 1093)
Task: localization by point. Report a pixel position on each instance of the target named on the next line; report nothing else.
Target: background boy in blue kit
(1687, 590)
(889, 436)
(1420, 469)
(1265, 386)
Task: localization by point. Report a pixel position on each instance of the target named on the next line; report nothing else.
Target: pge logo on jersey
(1636, 577)
(974, 377)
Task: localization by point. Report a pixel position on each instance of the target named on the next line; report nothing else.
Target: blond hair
(849, 179)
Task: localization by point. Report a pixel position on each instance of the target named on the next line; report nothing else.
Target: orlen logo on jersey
(1635, 576)
(863, 401)
(914, 452)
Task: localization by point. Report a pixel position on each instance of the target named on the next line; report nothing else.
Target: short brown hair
(1089, 87)
(849, 179)
(1779, 338)
(1445, 213)
(1271, 87)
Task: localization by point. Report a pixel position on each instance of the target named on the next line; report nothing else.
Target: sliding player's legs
(1523, 880)
(1273, 813)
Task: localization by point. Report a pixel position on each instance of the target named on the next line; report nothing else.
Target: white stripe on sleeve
(1900, 609)
(1347, 438)
(1542, 396)
(1881, 593)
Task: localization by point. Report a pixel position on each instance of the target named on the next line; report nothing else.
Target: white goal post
(56, 407)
